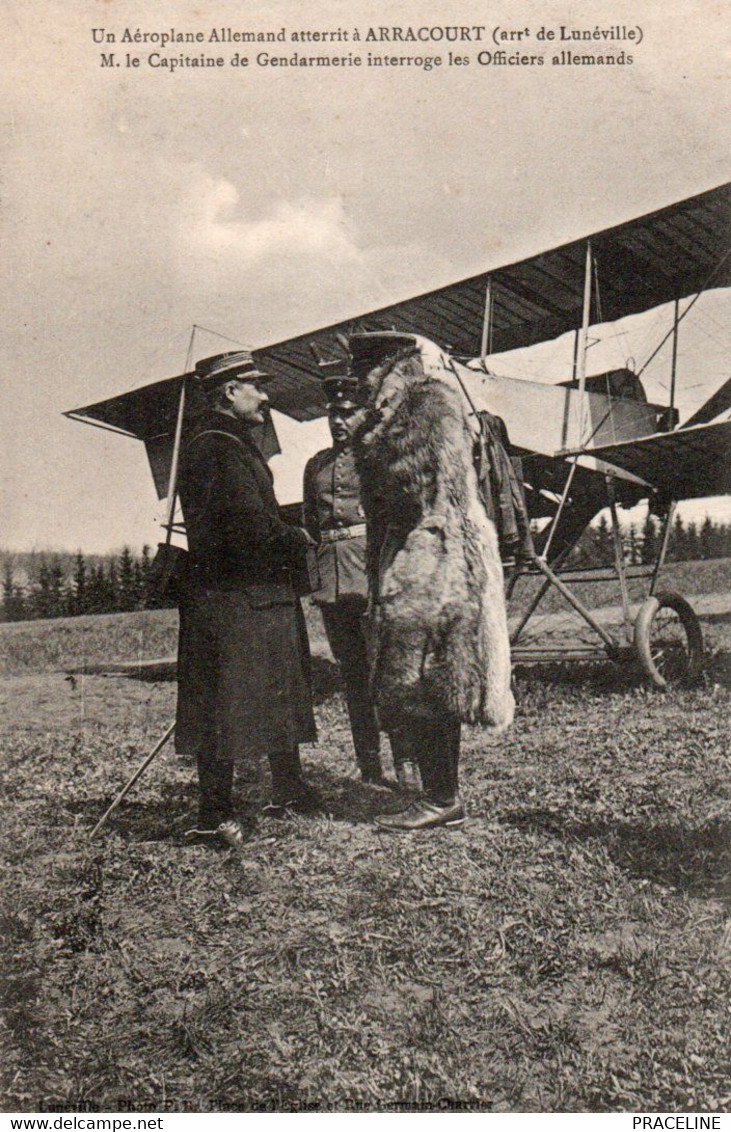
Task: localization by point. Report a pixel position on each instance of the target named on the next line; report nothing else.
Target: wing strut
(173, 480)
(691, 304)
(486, 344)
(580, 352)
(583, 338)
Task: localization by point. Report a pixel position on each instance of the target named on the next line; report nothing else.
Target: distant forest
(42, 584)
(641, 544)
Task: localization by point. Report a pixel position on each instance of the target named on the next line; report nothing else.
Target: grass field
(569, 950)
(39, 646)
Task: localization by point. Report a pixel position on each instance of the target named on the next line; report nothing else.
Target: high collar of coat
(386, 385)
(212, 419)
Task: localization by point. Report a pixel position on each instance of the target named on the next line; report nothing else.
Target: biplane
(587, 443)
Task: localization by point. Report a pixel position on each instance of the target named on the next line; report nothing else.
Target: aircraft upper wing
(689, 463)
(641, 264)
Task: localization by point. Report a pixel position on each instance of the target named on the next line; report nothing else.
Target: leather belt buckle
(338, 534)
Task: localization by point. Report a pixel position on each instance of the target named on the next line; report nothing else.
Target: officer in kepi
(333, 515)
(244, 689)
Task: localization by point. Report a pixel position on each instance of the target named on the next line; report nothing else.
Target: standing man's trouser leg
(198, 735)
(287, 778)
(344, 627)
(435, 745)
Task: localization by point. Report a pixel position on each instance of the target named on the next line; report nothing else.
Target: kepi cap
(222, 367)
(341, 392)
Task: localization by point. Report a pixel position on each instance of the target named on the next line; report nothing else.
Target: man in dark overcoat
(334, 516)
(244, 689)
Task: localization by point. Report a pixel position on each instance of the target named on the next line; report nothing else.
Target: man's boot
(423, 814)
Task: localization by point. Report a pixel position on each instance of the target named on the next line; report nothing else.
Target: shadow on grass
(162, 819)
(715, 618)
(325, 674)
(696, 861)
(325, 679)
(167, 818)
(349, 800)
(603, 677)
(606, 678)
(718, 668)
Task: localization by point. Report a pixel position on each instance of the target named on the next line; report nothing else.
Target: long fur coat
(438, 623)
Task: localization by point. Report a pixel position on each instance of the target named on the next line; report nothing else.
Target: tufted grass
(569, 950)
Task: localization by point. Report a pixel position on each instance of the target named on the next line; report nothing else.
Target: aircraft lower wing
(719, 403)
(689, 463)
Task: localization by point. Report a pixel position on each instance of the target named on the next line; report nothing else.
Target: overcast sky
(266, 202)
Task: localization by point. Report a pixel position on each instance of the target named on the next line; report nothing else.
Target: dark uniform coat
(243, 669)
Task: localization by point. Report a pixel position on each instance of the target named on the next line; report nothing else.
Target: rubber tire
(643, 638)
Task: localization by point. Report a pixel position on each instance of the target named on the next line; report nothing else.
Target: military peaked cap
(222, 367)
(341, 392)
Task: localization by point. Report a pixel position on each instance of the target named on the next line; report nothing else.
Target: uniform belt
(343, 532)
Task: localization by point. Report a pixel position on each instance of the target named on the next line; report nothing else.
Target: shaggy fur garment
(439, 627)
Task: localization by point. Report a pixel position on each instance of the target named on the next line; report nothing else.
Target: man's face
(343, 421)
(247, 401)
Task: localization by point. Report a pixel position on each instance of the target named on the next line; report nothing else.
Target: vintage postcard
(416, 317)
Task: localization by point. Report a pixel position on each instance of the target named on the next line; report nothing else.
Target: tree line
(687, 542)
(40, 585)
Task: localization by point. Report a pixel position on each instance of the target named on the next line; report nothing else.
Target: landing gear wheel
(668, 641)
